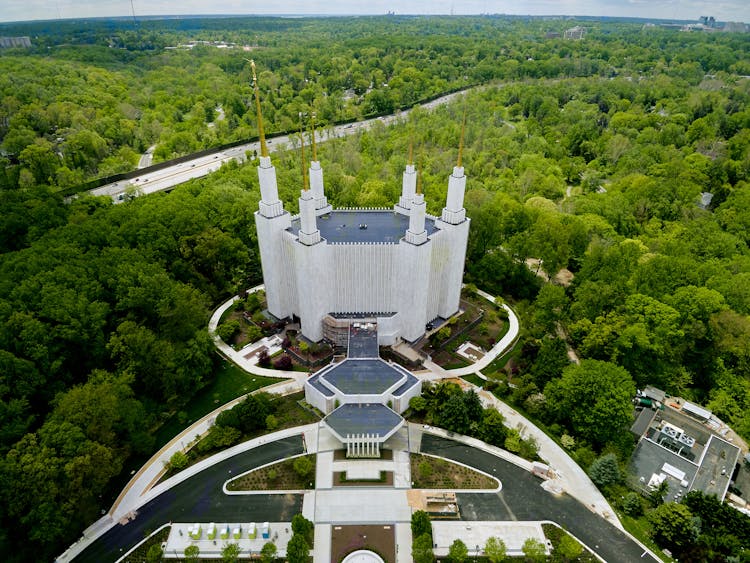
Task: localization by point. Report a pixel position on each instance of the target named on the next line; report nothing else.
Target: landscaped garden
(244, 322)
(229, 383)
(258, 414)
(434, 473)
(288, 475)
(481, 323)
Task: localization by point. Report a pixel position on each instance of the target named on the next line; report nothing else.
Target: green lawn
(230, 382)
(640, 528)
(495, 369)
(475, 379)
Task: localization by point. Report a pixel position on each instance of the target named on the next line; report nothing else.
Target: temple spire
(409, 182)
(305, 184)
(308, 231)
(461, 140)
(261, 134)
(419, 181)
(454, 212)
(416, 234)
(314, 146)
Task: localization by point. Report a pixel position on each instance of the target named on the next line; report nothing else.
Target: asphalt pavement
(201, 499)
(522, 498)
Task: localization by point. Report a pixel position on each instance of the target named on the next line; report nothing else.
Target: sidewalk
(436, 372)
(570, 476)
(237, 357)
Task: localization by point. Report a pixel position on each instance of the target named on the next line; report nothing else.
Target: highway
(172, 176)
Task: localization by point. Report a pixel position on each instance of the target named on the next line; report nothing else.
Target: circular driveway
(522, 498)
(201, 499)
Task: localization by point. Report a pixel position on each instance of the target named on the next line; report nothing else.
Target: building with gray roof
(399, 266)
(362, 395)
(676, 449)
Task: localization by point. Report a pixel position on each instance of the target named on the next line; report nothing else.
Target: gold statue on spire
(261, 134)
(419, 177)
(461, 141)
(314, 147)
(305, 183)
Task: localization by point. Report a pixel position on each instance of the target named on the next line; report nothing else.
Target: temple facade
(399, 267)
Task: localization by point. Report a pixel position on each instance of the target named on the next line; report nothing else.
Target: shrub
(178, 461)
(154, 553)
(264, 360)
(228, 329)
(568, 548)
(421, 549)
(458, 552)
(632, 505)
(253, 333)
(418, 404)
(605, 471)
(303, 466)
(283, 363)
(534, 550)
(272, 423)
(303, 527)
(567, 441)
(219, 437)
(268, 552)
(420, 525)
(495, 549)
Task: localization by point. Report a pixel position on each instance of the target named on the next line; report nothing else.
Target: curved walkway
(503, 345)
(236, 357)
(570, 476)
(522, 499)
(142, 487)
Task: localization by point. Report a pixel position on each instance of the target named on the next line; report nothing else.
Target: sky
(722, 10)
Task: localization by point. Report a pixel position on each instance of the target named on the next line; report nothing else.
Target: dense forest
(593, 156)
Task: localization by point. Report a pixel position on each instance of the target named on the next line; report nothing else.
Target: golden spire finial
(419, 179)
(261, 134)
(305, 183)
(314, 147)
(461, 141)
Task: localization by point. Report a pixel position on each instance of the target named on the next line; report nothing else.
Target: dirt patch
(381, 539)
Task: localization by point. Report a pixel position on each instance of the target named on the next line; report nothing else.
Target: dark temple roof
(382, 226)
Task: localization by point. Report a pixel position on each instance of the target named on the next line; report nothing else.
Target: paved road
(522, 498)
(201, 499)
(167, 178)
(147, 157)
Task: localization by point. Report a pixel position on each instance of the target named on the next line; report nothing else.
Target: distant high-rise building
(576, 32)
(11, 42)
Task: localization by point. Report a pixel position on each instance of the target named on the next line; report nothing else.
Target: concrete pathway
(503, 345)
(238, 357)
(330, 504)
(570, 475)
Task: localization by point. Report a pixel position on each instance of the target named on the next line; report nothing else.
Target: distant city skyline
(722, 10)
